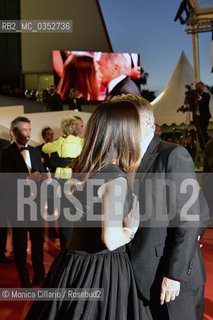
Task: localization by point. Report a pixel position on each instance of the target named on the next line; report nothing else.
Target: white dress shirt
(27, 160)
(114, 82)
(145, 143)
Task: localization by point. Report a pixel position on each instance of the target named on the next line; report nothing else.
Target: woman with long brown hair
(106, 218)
(79, 73)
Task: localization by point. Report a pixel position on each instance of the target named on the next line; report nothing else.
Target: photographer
(202, 113)
(75, 100)
(52, 99)
(197, 101)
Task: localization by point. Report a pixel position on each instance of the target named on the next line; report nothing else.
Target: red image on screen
(95, 76)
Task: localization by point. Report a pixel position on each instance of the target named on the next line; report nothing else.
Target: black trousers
(202, 124)
(20, 252)
(187, 306)
(64, 225)
(50, 211)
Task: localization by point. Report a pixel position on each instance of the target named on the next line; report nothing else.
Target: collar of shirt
(145, 143)
(114, 82)
(134, 58)
(20, 145)
(28, 160)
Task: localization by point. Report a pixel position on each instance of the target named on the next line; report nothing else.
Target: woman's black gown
(86, 263)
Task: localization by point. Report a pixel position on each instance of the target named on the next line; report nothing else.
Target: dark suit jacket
(14, 167)
(3, 144)
(169, 248)
(124, 86)
(204, 106)
(3, 214)
(44, 157)
(207, 178)
(208, 159)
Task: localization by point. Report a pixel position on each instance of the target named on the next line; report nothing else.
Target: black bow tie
(24, 148)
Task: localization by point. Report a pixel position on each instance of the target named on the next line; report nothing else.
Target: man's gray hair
(144, 107)
(15, 123)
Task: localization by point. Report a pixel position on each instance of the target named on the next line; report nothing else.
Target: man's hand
(170, 289)
(35, 176)
(198, 239)
(46, 175)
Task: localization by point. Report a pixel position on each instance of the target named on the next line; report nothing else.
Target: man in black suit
(3, 215)
(52, 99)
(165, 252)
(116, 69)
(48, 136)
(20, 160)
(202, 114)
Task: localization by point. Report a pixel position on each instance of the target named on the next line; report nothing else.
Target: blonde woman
(63, 151)
(67, 147)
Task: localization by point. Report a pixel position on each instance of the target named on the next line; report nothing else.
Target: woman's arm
(113, 196)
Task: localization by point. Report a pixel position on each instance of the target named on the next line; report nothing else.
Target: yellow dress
(66, 147)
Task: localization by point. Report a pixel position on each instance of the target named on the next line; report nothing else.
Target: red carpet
(16, 310)
(207, 251)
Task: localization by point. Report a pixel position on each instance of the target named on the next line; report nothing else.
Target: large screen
(91, 75)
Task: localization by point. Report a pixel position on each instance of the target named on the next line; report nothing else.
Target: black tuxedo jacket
(124, 86)
(14, 168)
(13, 161)
(171, 248)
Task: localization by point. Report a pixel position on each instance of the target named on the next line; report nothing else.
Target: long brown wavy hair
(79, 73)
(112, 134)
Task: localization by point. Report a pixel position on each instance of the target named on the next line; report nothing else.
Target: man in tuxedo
(20, 160)
(165, 252)
(116, 69)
